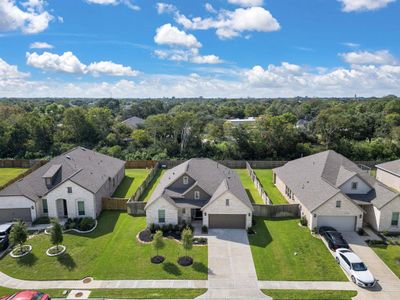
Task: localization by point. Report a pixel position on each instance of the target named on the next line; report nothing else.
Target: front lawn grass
(390, 254)
(110, 252)
(282, 250)
(132, 180)
(6, 174)
(150, 188)
(265, 177)
(249, 186)
(310, 294)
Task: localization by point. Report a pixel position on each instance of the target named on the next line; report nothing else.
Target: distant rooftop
(133, 122)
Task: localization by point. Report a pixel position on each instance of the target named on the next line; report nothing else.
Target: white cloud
(30, 17)
(165, 8)
(363, 5)
(191, 55)
(351, 45)
(229, 24)
(41, 45)
(172, 36)
(247, 3)
(209, 8)
(10, 72)
(380, 57)
(69, 63)
(128, 3)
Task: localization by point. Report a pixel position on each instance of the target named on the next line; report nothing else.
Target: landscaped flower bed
(81, 224)
(21, 251)
(56, 250)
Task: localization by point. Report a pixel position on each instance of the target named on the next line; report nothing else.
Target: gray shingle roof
(133, 122)
(316, 178)
(391, 166)
(84, 167)
(208, 174)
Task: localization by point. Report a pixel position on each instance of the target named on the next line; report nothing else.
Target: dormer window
(48, 181)
(354, 185)
(338, 204)
(185, 180)
(196, 195)
(227, 202)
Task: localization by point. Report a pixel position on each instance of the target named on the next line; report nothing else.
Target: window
(185, 180)
(354, 185)
(81, 208)
(184, 210)
(338, 203)
(69, 190)
(48, 181)
(45, 207)
(161, 216)
(395, 219)
(227, 202)
(196, 195)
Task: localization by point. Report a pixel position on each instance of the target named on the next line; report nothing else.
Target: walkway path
(231, 272)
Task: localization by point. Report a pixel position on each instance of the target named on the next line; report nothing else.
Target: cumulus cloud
(191, 55)
(41, 45)
(230, 24)
(172, 36)
(10, 72)
(247, 3)
(128, 3)
(165, 8)
(363, 5)
(69, 63)
(380, 57)
(209, 8)
(30, 17)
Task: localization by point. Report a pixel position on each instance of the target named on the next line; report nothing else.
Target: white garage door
(340, 223)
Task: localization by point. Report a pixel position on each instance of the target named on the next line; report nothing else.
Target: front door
(197, 214)
(65, 208)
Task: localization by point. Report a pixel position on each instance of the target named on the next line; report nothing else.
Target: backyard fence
(142, 188)
(110, 203)
(276, 211)
(21, 163)
(140, 164)
(136, 208)
(257, 184)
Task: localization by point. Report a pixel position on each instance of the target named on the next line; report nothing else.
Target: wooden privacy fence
(140, 164)
(276, 211)
(258, 185)
(21, 163)
(136, 208)
(109, 203)
(140, 190)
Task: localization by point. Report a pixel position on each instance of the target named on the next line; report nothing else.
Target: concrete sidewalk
(307, 285)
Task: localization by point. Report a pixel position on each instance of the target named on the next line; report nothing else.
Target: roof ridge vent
(68, 157)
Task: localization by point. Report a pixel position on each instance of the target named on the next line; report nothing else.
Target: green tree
(56, 233)
(158, 241)
(19, 234)
(187, 240)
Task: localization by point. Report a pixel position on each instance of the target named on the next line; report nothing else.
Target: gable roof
(316, 178)
(86, 168)
(133, 122)
(209, 175)
(391, 167)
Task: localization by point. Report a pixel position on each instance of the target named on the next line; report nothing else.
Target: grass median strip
(265, 177)
(249, 186)
(310, 294)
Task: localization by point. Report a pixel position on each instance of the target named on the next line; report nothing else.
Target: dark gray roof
(84, 167)
(133, 122)
(391, 167)
(209, 175)
(316, 178)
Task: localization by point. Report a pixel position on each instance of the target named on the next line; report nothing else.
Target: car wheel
(353, 279)
(337, 260)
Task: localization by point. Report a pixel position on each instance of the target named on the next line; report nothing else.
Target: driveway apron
(231, 272)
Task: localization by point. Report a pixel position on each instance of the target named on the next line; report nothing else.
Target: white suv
(356, 269)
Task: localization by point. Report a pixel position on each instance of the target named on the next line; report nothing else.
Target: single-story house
(68, 186)
(200, 189)
(134, 122)
(389, 174)
(334, 191)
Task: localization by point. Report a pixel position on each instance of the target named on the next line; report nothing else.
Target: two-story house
(203, 190)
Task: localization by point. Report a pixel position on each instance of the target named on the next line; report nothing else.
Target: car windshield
(359, 267)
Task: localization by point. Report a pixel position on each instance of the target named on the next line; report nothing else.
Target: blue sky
(220, 48)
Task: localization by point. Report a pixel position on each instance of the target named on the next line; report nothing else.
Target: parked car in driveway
(354, 266)
(27, 295)
(335, 240)
(4, 233)
(324, 229)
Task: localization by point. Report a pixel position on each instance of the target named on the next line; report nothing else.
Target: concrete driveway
(231, 273)
(388, 286)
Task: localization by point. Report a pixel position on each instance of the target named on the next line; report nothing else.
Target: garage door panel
(340, 223)
(12, 214)
(229, 221)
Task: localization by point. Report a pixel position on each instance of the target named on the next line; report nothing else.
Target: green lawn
(265, 177)
(282, 250)
(110, 252)
(6, 174)
(152, 293)
(390, 254)
(133, 179)
(150, 189)
(249, 186)
(310, 294)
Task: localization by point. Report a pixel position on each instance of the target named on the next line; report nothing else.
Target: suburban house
(69, 186)
(134, 122)
(200, 190)
(389, 174)
(247, 121)
(334, 191)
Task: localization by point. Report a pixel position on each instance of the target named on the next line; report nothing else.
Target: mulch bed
(158, 259)
(185, 261)
(145, 236)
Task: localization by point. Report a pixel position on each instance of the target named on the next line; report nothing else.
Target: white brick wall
(218, 206)
(19, 202)
(388, 179)
(171, 212)
(385, 217)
